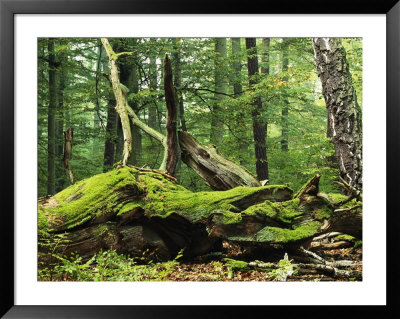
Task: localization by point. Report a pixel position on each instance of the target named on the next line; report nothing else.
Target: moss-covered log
(137, 212)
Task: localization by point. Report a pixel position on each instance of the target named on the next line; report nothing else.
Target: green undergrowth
(106, 266)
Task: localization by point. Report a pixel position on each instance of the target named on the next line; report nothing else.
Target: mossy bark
(136, 211)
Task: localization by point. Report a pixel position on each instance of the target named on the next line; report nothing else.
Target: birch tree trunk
(344, 113)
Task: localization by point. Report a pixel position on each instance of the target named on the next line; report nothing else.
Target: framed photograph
(176, 159)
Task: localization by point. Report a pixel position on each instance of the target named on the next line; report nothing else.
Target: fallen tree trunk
(141, 212)
(217, 171)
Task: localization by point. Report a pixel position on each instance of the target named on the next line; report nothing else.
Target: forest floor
(225, 266)
(216, 270)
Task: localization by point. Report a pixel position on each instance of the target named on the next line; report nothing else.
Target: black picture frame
(9, 8)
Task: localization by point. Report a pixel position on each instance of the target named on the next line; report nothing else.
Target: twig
(153, 171)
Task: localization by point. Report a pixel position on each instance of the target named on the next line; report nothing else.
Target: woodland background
(216, 100)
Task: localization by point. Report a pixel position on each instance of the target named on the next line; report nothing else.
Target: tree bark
(221, 86)
(344, 113)
(68, 139)
(51, 120)
(259, 123)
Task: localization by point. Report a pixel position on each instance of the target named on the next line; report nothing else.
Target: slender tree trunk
(285, 108)
(178, 84)
(259, 123)
(59, 169)
(266, 42)
(96, 111)
(241, 127)
(343, 110)
(129, 78)
(111, 134)
(68, 140)
(221, 87)
(51, 120)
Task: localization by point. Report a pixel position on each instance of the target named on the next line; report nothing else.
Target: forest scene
(199, 159)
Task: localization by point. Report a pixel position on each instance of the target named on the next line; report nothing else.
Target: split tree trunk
(171, 99)
(344, 113)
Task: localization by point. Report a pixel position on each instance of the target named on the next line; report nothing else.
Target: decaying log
(217, 171)
(133, 210)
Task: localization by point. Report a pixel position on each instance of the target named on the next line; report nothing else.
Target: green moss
(163, 201)
(323, 212)
(43, 225)
(340, 197)
(284, 212)
(92, 197)
(128, 207)
(345, 237)
(336, 197)
(237, 265)
(282, 235)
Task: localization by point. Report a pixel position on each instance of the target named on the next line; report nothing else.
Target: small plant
(284, 270)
